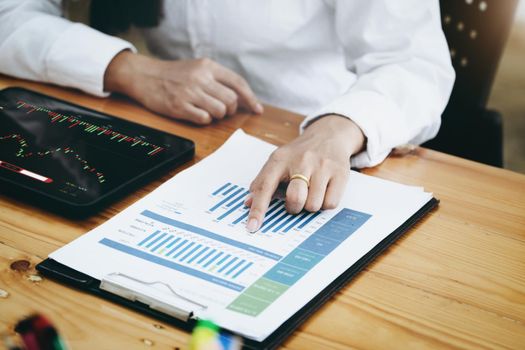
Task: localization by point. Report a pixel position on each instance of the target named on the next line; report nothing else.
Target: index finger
(241, 87)
(262, 190)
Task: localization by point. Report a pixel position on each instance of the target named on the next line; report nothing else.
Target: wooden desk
(457, 280)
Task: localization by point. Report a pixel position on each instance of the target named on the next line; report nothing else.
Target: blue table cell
(285, 274)
(319, 244)
(303, 259)
(343, 224)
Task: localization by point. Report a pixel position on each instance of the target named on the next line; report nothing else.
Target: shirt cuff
(80, 56)
(377, 116)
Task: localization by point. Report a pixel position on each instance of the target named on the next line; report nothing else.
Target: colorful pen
(206, 336)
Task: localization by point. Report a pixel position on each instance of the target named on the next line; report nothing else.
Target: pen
(25, 329)
(39, 334)
(206, 336)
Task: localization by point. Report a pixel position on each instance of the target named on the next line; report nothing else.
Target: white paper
(181, 235)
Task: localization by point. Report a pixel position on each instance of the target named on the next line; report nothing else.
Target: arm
(399, 55)
(37, 44)
(198, 90)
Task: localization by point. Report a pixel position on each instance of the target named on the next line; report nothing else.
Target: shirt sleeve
(36, 43)
(404, 75)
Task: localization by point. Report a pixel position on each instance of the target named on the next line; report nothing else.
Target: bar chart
(192, 253)
(259, 268)
(195, 251)
(228, 206)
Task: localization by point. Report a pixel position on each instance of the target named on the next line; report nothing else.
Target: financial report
(186, 243)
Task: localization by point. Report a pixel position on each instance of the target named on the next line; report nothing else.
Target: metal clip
(112, 285)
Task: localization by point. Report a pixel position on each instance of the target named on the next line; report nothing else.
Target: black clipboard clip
(115, 283)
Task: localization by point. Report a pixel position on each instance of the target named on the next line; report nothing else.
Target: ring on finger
(300, 177)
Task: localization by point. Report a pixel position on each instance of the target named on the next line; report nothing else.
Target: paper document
(187, 240)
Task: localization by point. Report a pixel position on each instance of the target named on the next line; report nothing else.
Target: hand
(322, 154)
(197, 90)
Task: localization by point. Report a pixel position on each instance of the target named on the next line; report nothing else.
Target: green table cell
(266, 289)
(303, 259)
(248, 305)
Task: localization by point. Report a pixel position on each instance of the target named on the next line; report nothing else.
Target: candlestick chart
(72, 151)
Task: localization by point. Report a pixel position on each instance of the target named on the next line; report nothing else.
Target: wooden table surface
(456, 280)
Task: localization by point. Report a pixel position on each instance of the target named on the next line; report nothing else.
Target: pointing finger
(262, 190)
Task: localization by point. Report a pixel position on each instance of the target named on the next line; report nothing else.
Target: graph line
(74, 122)
(22, 152)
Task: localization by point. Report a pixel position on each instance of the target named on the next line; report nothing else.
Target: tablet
(74, 160)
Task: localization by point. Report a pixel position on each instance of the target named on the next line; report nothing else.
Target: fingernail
(259, 108)
(252, 225)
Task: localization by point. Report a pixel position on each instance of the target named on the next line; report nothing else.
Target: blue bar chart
(198, 255)
(228, 207)
(262, 266)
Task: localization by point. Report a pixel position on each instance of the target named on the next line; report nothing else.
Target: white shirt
(382, 63)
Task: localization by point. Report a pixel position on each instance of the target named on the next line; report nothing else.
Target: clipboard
(182, 318)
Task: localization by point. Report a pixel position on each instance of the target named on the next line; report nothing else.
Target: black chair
(476, 31)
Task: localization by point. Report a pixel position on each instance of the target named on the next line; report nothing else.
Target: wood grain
(456, 280)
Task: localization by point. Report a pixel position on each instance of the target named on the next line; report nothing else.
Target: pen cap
(205, 336)
(207, 324)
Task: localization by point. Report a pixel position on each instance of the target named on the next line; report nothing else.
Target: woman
(369, 75)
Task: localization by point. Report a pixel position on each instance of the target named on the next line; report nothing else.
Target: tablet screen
(73, 153)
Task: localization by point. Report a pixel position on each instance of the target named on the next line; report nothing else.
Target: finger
(223, 94)
(296, 194)
(316, 192)
(262, 190)
(237, 83)
(335, 190)
(195, 114)
(210, 104)
(248, 201)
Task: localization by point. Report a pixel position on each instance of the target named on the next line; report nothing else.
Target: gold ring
(300, 177)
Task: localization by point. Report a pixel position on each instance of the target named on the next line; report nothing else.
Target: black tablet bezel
(77, 210)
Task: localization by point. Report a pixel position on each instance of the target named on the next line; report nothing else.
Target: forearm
(37, 44)
(403, 74)
(120, 73)
(27, 31)
(348, 134)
